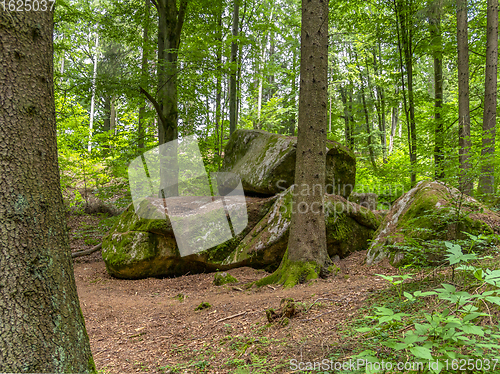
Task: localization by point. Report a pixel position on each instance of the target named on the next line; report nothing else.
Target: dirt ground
(151, 325)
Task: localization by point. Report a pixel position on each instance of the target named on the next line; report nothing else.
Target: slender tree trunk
(42, 329)
(293, 94)
(437, 54)
(404, 26)
(486, 180)
(351, 116)
(347, 124)
(92, 100)
(394, 125)
(234, 69)
(141, 134)
(306, 256)
(218, 94)
(369, 139)
(464, 141)
(380, 103)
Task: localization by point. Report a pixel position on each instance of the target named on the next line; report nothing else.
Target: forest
(193, 186)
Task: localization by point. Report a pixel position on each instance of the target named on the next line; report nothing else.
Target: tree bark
(306, 256)
(404, 26)
(486, 180)
(234, 69)
(141, 134)
(437, 55)
(218, 93)
(464, 141)
(293, 95)
(170, 22)
(42, 327)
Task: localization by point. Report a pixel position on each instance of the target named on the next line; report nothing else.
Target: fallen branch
(230, 317)
(86, 252)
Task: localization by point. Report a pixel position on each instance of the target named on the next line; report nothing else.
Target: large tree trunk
(404, 26)
(234, 69)
(218, 93)
(486, 180)
(306, 256)
(464, 141)
(293, 97)
(437, 54)
(170, 22)
(141, 133)
(42, 327)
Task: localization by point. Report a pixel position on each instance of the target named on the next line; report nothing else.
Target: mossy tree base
(291, 273)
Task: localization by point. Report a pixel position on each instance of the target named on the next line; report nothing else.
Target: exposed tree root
(86, 252)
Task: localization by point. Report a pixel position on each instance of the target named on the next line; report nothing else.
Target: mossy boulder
(137, 247)
(266, 162)
(349, 227)
(419, 221)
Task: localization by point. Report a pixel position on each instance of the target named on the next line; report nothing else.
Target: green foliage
(203, 305)
(443, 336)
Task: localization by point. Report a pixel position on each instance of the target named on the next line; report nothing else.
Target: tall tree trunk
(394, 125)
(347, 116)
(351, 116)
(141, 134)
(369, 139)
(234, 69)
(486, 180)
(464, 141)
(293, 96)
(92, 100)
(218, 94)
(380, 102)
(437, 54)
(42, 329)
(170, 22)
(306, 256)
(404, 27)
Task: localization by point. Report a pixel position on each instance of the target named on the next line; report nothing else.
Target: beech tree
(41, 324)
(306, 256)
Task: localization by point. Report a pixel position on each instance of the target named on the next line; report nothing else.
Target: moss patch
(224, 278)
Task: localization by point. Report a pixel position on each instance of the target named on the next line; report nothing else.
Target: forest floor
(150, 325)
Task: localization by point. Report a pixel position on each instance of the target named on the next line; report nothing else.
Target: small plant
(224, 278)
(397, 282)
(443, 337)
(180, 297)
(203, 305)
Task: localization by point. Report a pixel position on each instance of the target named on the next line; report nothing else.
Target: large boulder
(349, 228)
(138, 247)
(419, 221)
(266, 163)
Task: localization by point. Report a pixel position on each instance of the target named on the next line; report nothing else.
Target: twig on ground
(231, 317)
(86, 252)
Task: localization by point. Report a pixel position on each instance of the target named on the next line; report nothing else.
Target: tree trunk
(366, 115)
(234, 69)
(380, 102)
(437, 54)
(404, 27)
(141, 134)
(170, 22)
(306, 256)
(42, 327)
(218, 94)
(293, 94)
(486, 180)
(92, 100)
(464, 141)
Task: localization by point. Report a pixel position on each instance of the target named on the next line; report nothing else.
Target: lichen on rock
(421, 219)
(265, 162)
